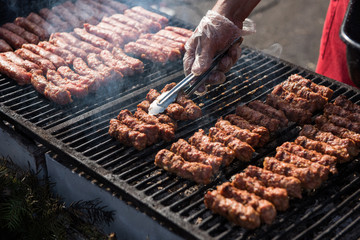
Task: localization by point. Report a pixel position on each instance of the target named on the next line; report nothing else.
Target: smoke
(274, 50)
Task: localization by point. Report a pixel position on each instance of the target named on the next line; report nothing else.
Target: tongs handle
(201, 78)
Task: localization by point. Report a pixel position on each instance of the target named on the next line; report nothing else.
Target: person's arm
(217, 30)
(235, 10)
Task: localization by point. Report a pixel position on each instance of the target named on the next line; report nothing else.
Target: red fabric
(332, 57)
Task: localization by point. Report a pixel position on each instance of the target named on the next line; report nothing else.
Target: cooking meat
(265, 208)
(318, 169)
(240, 214)
(166, 131)
(275, 195)
(61, 52)
(313, 133)
(172, 54)
(144, 105)
(135, 64)
(130, 22)
(70, 39)
(56, 94)
(165, 41)
(242, 150)
(76, 89)
(344, 122)
(192, 154)
(104, 8)
(292, 98)
(119, 65)
(345, 103)
(14, 40)
(204, 144)
(182, 31)
(172, 36)
(174, 163)
(308, 176)
(132, 32)
(126, 135)
(37, 19)
(151, 131)
(13, 57)
(324, 125)
(78, 52)
(258, 118)
(304, 92)
(126, 33)
(28, 36)
(244, 135)
(271, 179)
(292, 112)
(82, 15)
(43, 63)
(83, 69)
(324, 91)
(92, 11)
(109, 73)
(55, 59)
(54, 20)
(191, 110)
(314, 156)
(120, 7)
(67, 16)
(91, 83)
(269, 111)
(331, 108)
(244, 124)
(146, 52)
(340, 153)
(93, 39)
(13, 71)
(106, 34)
(31, 27)
(152, 25)
(4, 46)
(154, 16)
(152, 95)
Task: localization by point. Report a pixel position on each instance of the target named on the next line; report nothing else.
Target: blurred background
(291, 25)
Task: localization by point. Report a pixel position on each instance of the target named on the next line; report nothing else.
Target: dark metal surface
(78, 132)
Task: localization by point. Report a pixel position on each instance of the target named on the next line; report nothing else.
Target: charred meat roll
(203, 143)
(258, 118)
(265, 208)
(277, 196)
(271, 179)
(242, 150)
(240, 214)
(192, 154)
(314, 156)
(126, 135)
(308, 176)
(171, 162)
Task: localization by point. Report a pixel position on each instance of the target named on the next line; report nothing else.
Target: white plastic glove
(213, 34)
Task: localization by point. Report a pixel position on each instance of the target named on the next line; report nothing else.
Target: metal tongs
(165, 99)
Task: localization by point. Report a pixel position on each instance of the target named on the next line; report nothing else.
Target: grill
(78, 132)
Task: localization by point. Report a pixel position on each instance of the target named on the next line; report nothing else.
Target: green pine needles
(28, 209)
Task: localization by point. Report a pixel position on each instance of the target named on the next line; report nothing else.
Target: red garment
(332, 57)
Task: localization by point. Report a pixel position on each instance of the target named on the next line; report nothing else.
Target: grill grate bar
(338, 222)
(331, 212)
(347, 228)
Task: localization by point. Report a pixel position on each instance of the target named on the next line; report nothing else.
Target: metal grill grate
(81, 134)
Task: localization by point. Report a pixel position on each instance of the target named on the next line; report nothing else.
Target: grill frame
(152, 203)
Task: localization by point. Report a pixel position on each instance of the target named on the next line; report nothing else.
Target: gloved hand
(213, 34)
